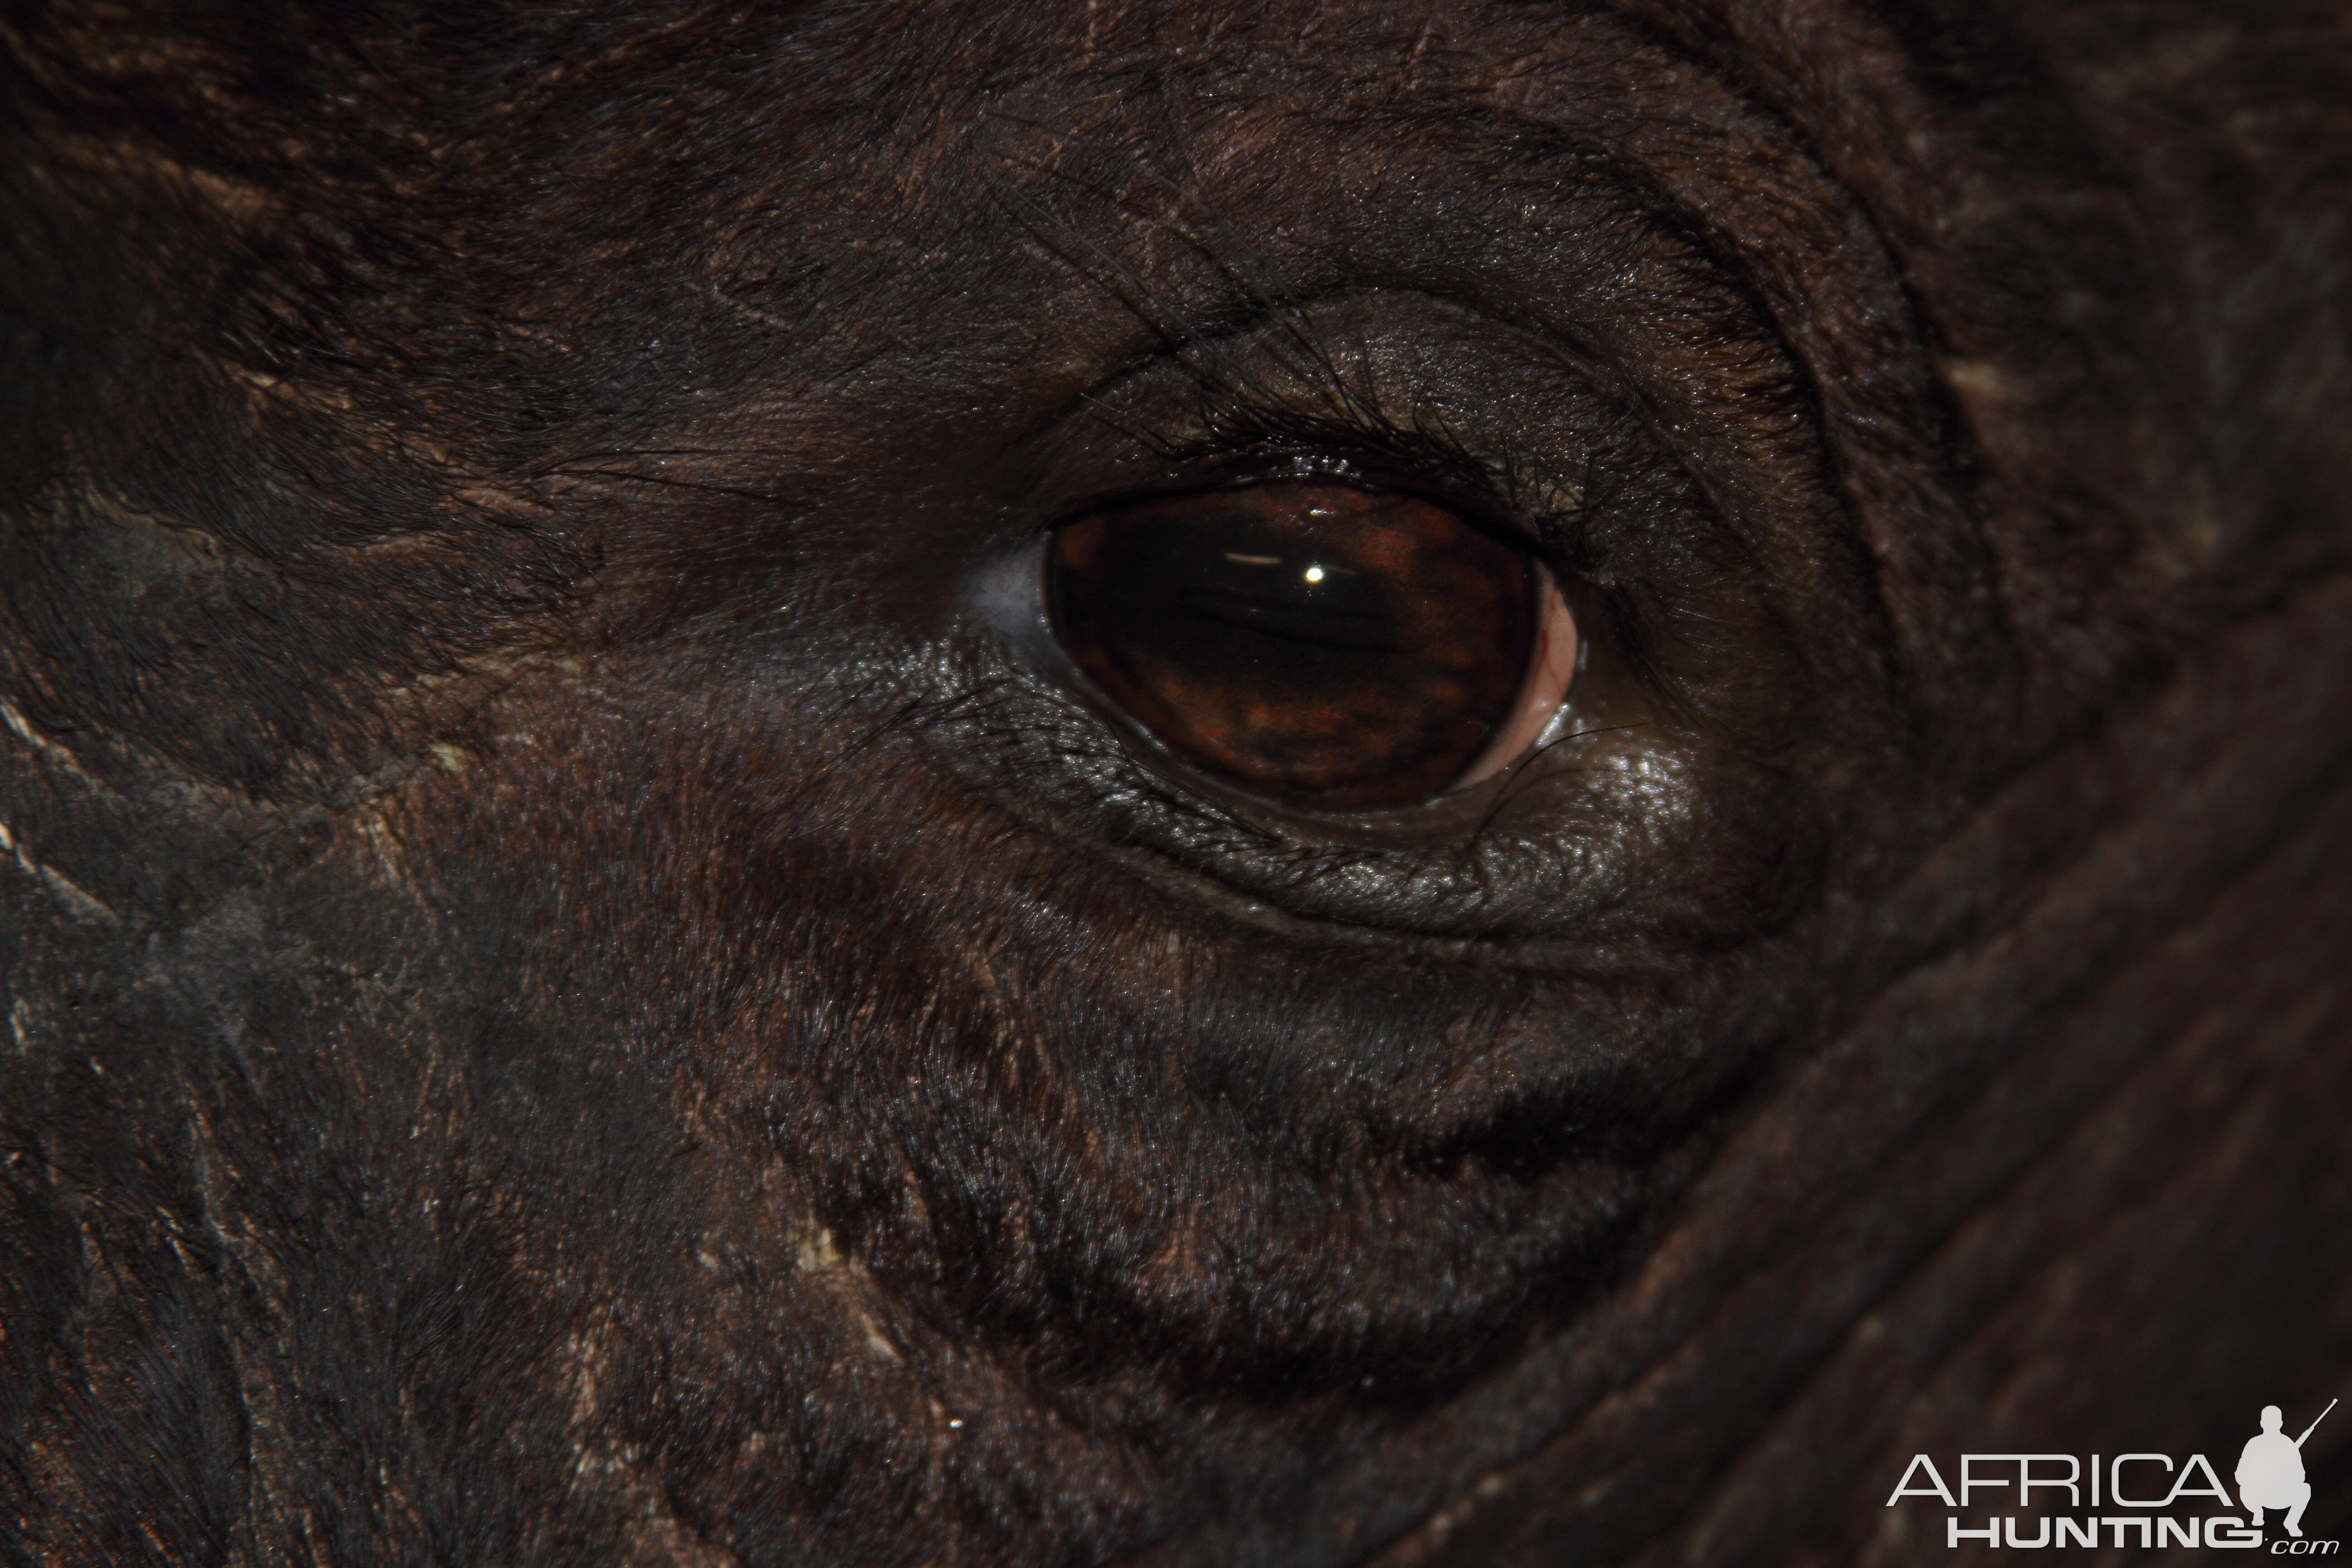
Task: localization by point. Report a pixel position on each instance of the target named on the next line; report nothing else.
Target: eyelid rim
(1205, 470)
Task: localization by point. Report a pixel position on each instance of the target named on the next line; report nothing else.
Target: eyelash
(1244, 432)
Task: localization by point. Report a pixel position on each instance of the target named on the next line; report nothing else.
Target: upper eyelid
(1309, 402)
(1258, 436)
(1309, 445)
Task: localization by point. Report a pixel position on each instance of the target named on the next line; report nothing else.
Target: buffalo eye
(1338, 649)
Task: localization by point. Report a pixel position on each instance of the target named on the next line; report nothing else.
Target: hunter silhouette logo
(2270, 1470)
(2157, 1501)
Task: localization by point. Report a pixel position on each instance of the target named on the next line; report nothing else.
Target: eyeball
(1337, 649)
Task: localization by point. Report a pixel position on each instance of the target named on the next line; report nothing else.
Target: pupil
(1342, 648)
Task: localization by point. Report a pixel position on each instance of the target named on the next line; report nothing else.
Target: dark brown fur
(571, 1002)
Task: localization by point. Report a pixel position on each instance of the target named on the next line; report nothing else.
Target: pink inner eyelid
(1550, 672)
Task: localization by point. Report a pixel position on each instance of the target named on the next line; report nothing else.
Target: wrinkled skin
(580, 992)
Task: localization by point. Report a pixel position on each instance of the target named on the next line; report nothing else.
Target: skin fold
(586, 985)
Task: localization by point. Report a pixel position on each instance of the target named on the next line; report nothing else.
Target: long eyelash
(1233, 421)
(1236, 414)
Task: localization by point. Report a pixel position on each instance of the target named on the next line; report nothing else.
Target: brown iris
(1343, 649)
